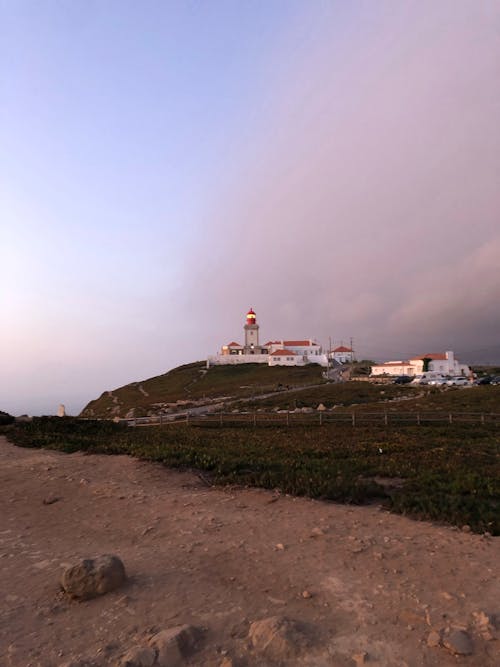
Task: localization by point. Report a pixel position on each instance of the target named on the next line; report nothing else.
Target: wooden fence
(256, 419)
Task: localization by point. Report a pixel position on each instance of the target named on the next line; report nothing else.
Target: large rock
(174, 645)
(277, 638)
(92, 577)
(142, 656)
(458, 642)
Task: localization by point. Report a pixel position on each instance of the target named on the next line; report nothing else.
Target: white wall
(235, 359)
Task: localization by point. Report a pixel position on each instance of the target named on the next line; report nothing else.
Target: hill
(192, 384)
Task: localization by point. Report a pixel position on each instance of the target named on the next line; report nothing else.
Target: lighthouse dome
(251, 317)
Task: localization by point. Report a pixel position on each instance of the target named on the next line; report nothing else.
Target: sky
(165, 166)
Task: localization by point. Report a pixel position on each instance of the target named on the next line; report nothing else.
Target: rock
(175, 644)
(227, 662)
(321, 407)
(360, 658)
(317, 532)
(50, 500)
(276, 637)
(485, 624)
(92, 577)
(466, 529)
(142, 656)
(279, 547)
(306, 595)
(458, 642)
(434, 639)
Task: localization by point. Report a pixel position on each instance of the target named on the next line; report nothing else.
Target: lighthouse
(251, 334)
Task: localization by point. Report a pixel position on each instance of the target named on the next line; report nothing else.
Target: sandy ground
(222, 558)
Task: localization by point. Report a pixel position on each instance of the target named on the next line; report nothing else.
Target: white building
(442, 363)
(342, 354)
(274, 352)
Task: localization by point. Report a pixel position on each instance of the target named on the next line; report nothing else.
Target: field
(448, 473)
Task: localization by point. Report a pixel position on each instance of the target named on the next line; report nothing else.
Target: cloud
(369, 194)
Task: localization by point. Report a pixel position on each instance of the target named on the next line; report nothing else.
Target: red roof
(233, 344)
(342, 349)
(283, 353)
(272, 342)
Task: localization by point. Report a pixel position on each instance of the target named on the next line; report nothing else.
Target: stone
(92, 577)
(306, 594)
(458, 642)
(434, 639)
(466, 529)
(276, 637)
(321, 407)
(317, 532)
(141, 656)
(175, 644)
(485, 624)
(360, 658)
(50, 500)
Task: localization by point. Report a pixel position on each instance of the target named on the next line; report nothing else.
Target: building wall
(290, 360)
(234, 359)
(402, 369)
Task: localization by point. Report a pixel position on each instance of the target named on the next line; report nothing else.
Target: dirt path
(378, 583)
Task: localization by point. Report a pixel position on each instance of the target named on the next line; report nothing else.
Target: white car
(458, 381)
(438, 382)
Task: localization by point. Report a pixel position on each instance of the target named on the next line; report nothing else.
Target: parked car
(438, 382)
(458, 381)
(403, 379)
(486, 379)
(495, 380)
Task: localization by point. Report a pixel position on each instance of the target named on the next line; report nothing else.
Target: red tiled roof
(233, 344)
(342, 348)
(283, 353)
(272, 342)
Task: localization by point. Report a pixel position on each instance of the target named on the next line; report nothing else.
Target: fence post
(187, 417)
(135, 421)
(288, 418)
(255, 419)
(418, 418)
(450, 418)
(161, 420)
(385, 419)
(321, 419)
(220, 419)
(353, 417)
(482, 418)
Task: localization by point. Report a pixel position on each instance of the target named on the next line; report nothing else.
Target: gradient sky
(166, 165)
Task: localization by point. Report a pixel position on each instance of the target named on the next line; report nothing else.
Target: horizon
(165, 166)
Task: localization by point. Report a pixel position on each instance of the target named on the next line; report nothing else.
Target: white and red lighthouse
(251, 333)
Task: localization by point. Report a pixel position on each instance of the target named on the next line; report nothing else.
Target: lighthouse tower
(251, 334)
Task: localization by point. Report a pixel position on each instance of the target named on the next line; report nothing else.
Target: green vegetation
(343, 394)
(193, 381)
(5, 418)
(446, 473)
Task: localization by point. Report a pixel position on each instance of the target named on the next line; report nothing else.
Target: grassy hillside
(192, 382)
(390, 398)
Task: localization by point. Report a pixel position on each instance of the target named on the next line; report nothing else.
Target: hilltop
(193, 384)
